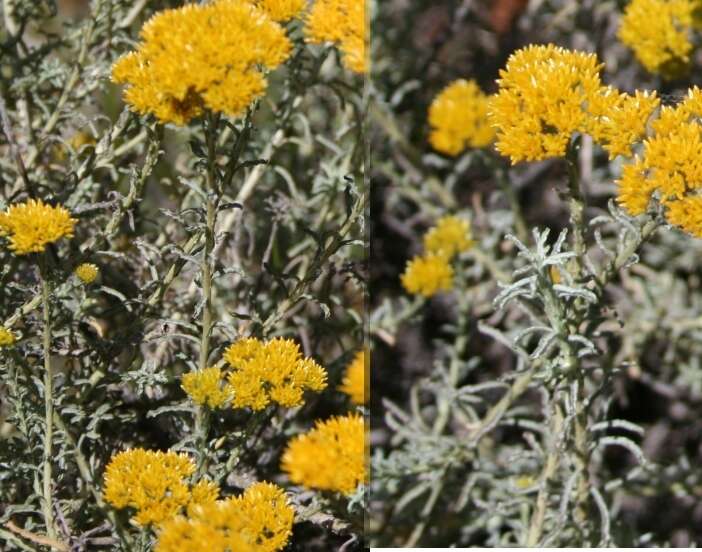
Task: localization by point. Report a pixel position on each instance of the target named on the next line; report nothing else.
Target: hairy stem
(47, 505)
(536, 526)
(576, 207)
(201, 415)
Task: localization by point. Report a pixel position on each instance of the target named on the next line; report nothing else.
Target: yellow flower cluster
(548, 93)
(617, 120)
(203, 56)
(271, 371)
(449, 237)
(342, 22)
(658, 33)
(428, 275)
(205, 387)
(155, 484)
(258, 521)
(541, 99)
(432, 272)
(87, 272)
(458, 117)
(7, 338)
(669, 167)
(354, 382)
(331, 457)
(30, 226)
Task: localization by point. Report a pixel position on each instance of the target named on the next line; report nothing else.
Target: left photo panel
(183, 275)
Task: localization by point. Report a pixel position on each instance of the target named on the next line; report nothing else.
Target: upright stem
(536, 526)
(206, 278)
(576, 207)
(48, 405)
(201, 415)
(581, 457)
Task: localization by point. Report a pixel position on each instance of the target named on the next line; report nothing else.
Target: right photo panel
(535, 313)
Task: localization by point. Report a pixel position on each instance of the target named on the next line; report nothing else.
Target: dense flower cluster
(669, 167)
(204, 387)
(458, 117)
(331, 457)
(155, 484)
(449, 237)
(86, 272)
(547, 94)
(541, 101)
(428, 275)
(658, 31)
(203, 56)
(258, 521)
(32, 225)
(354, 382)
(7, 338)
(432, 272)
(271, 371)
(617, 120)
(342, 22)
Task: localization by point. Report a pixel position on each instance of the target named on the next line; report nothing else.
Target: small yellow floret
(272, 371)
(205, 387)
(87, 272)
(342, 22)
(260, 520)
(155, 484)
(202, 56)
(7, 338)
(658, 33)
(458, 117)
(541, 102)
(354, 382)
(281, 10)
(331, 457)
(31, 226)
(449, 237)
(428, 275)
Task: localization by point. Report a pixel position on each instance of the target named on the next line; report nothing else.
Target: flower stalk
(47, 502)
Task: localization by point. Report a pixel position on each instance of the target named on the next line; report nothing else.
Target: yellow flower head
(205, 387)
(30, 226)
(541, 102)
(450, 236)
(669, 167)
(658, 33)
(258, 521)
(202, 56)
(87, 272)
(331, 457)
(428, 275)
(342, 22)
(271, 371)
(7, 338)
(458, 117)
(281, 10)
(617, 120)
(155, 484)
(354, 382)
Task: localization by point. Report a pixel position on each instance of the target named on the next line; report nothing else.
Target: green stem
(201, 414)
(576, 207)
(47, 505)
